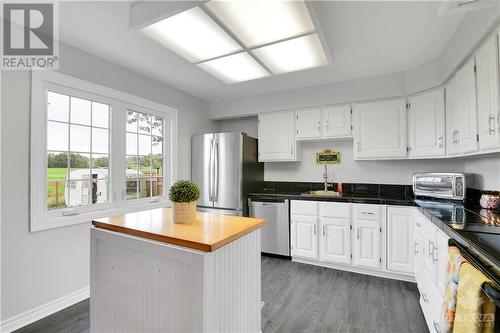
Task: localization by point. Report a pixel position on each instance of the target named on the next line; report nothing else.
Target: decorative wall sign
(328, 156)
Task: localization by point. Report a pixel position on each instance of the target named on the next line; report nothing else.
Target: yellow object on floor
(475, 312)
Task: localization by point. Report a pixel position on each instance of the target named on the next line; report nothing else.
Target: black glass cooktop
(458, 217)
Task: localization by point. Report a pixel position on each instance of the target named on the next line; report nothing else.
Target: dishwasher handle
(265, 202)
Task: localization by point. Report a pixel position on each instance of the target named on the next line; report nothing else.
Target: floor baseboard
(42, 311)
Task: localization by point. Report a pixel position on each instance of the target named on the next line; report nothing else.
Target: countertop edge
(178, 241)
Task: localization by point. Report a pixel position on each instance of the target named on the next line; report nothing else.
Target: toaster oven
(439, 185)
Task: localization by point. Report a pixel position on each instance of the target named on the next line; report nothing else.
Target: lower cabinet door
(305, 236)
(419, 252)
(335, 240)
(366, 241)
(400, 242)
(441, 255)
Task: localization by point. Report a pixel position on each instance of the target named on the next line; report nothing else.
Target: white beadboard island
(149, 274)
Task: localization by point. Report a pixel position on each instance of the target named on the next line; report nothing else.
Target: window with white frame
(77, 151)
(144, 177)
(81, 135)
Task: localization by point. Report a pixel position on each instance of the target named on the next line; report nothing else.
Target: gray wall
(246, 125)
(487, 169)
(40, 267)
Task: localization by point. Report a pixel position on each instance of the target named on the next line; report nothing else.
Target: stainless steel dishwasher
(275, 235)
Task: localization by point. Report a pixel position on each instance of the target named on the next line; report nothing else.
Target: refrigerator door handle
(210, 171)
(216, 172)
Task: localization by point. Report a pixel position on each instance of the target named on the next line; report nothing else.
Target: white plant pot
(184, 212)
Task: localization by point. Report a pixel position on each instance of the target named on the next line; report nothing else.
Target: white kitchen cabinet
(441, 258)
(426, 124)
(308, 124)
(418, 248)
(462, 111)
(366, 243)
(380, 129)
(400, 240)
(277, 137)
(488, 106)
(366, 231)
(304, 236)
(335, 240)
(323, 123)
(452, 147)
(337, 121)
(429, 244)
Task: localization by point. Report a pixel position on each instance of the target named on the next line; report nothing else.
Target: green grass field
(56, 174)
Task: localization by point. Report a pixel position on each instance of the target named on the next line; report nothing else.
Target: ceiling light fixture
(259, 22)
(235, 68)
(193, 35)
(293, 55)
(243, 40)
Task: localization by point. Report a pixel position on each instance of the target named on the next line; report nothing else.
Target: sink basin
(321, 193)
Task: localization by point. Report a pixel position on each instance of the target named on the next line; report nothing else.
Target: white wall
(43, 266)
(246, 125)
(381, 86)
(487, 168)
(350, 171)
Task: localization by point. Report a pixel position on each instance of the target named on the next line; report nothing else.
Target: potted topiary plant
(183, 195)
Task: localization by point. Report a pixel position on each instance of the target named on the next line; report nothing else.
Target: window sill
(42, 223)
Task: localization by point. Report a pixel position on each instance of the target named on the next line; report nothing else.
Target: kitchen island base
(143, 285)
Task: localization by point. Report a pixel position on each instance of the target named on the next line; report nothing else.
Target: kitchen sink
(322, 193)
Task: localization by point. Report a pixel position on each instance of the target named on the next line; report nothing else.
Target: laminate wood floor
(302, 298)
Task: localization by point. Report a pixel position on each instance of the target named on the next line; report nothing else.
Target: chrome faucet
(325, 178)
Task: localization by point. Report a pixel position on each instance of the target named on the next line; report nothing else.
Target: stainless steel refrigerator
(225, 166)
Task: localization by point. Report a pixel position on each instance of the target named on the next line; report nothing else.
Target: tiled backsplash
(369, 190)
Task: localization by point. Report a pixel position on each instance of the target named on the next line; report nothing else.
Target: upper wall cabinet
(488, 106)
(277, 137)
(323, 123)
(426, 127)
(380, 129)
(308, 124)
(337, 121)
(461, 111)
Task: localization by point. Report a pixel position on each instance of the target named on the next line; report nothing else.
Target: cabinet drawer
(304, 207)
(367, 212)
(335, 209)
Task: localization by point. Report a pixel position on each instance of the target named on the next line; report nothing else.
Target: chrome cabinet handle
(436, 327)
(326, 123)
(491, 129)
(315, 229)
(291, 150)
(435, 253)
(458, 137)
(324, 230)
(430, 247)
(415, 248)
(440, 141)
(368, 213)
(425, 298)
(357, 232)
(318, 125)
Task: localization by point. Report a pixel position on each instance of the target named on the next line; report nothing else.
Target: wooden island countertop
(207, 233)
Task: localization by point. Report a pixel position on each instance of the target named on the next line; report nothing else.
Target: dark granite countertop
(477, 230)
